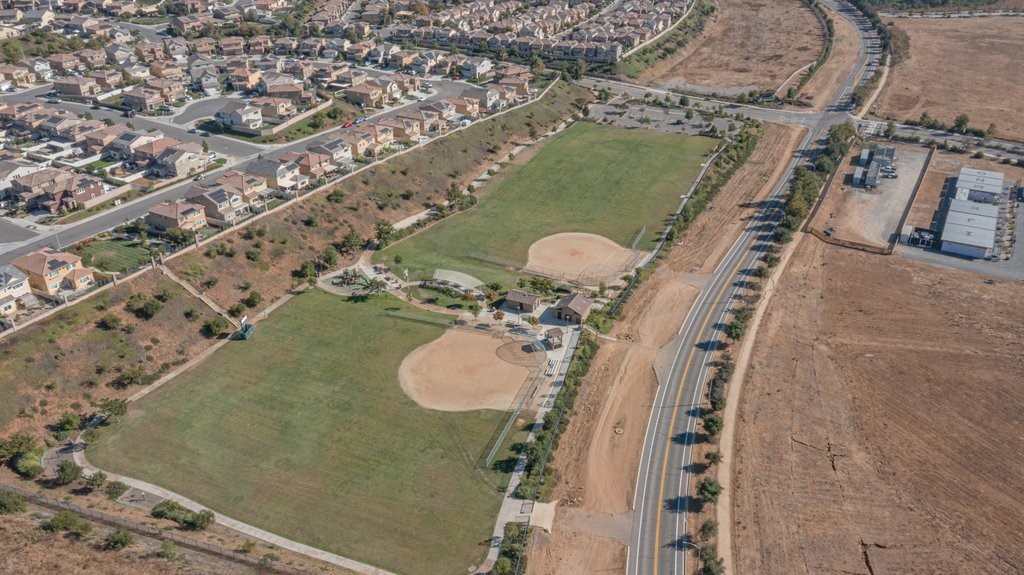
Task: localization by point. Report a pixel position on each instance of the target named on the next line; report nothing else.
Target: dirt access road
(745, 45)
(960, 65)
(598, 455)
(879, 426)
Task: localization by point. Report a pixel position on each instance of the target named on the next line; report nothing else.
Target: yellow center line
(675, 410)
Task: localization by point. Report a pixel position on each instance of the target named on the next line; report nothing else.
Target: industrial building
(973, 220)
(872, 163)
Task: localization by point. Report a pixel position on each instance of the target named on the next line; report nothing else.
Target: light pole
(700, 552)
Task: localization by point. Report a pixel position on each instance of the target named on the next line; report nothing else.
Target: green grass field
(304, 431)
(596, 179)
(114, 255)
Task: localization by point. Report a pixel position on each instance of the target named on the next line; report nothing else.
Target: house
(311, 47)
(40, 67)
(40, 18)
(14, 289)
(168, 89)
(259, 45)
(243, 79)
(228, 13)
(360, 50)
(178, 215)
(278, 108)
(179, 160)
(476, 68)
(445, 109)
(76, 86)
(191, 23)
(175, 47)
(573, 308)
(285, 46)
(379, 133)
(18, 75)
(466, 106)
(125, 146)
(107, 79)
(232, 46)
(406, 83)
(120, 54)
(92, 58)
(428, 120)
(142, 99)
(338, 149)
(311, 164)
(149, 152)
(204, 46)
(521, 85)
(381, 53)
(102, 140)
(240, 115)
(167, 69)
(49, 271)
(55, 189)
(486, 99)
(289, 91)
(250, 186)
(12, 169)
(280, 175)
(272, 79)
(149, 51)
(521, 301)
(366, 95)
(208, 82)
(221, 205)
(404, 129)
(65, 63)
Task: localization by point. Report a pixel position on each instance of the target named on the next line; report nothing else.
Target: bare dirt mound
(581, 257)
(463, 371)
(748, 44)
(879, 426)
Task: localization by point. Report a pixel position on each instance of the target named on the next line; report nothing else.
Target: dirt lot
(573, 254)
(945, 165)
(845, 50)
(863, 419)
(746, 45)
(463, 371)
(870, 216)
(596, 464)
(932, 79)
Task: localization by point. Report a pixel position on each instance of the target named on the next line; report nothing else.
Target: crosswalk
(871, 128)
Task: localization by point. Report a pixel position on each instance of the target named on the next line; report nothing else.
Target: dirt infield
(878, 429)
(747, 44)
(576, 255)
(960, 65)
(464, 371)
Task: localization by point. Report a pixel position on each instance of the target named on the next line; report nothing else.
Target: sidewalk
(525, 510)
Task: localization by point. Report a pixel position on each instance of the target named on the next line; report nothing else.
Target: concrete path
(202, 296)
(523, 510)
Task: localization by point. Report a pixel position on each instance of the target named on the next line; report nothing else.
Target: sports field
(305, 431)
(596, 179)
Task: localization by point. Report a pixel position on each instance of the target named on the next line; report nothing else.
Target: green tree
(11, 503)
(713, 424)
(384, 232)
(708, 490)
(329, 256)
(352, 242)
(16, 445)
(114, 407)
(735, 330)
(206, 147)
(254, 299)
(503, 566)
(13, 52)
(118, 539)
(960, 123)
(69, 421)
(68, 472)
(109, 322)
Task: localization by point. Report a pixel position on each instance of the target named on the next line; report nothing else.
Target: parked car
(348, 124)
(204, 134)
(194, 131)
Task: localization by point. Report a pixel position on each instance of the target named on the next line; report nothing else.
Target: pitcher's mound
(584, 258)
(463, 371)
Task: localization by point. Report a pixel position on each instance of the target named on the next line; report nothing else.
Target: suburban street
(16, 240)
(660, 541)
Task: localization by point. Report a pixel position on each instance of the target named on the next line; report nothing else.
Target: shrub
(11, 503)
(27, 464)
(116, 489)
(135, 375)
(214, 326)
(168, 550)
(236, 310)
(254, 299)
(68, 472)
(187, 519)
(713, 424)
(109, 322)
(69, 522)
(118, 539)
(708, 490)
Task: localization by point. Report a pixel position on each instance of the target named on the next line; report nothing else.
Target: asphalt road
(660, 541)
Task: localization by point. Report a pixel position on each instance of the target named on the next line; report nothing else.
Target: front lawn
(113, 255)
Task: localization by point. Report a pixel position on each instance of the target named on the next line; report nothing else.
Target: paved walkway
(522, 510)
(202, 296)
